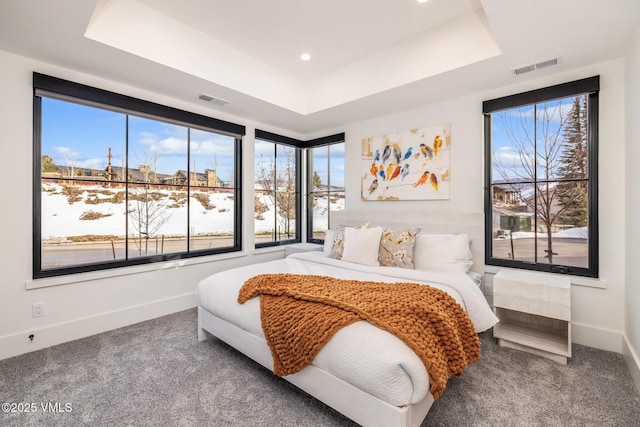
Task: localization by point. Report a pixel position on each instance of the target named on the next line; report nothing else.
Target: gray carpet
(156, 373)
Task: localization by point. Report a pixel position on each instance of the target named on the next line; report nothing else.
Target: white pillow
(443, 252)
(328, 241)
(338, 241)
(361, 245)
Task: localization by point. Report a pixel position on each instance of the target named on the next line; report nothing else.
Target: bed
(363, 372)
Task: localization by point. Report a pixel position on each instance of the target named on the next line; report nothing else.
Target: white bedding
(360, 354)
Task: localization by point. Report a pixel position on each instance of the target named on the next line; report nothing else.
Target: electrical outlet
(38, 309)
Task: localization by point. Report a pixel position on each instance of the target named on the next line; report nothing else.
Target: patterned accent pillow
(337, 247)
(396, 247)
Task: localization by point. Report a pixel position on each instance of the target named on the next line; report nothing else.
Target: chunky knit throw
(300, 313)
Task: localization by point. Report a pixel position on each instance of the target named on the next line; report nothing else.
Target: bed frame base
(350, 401)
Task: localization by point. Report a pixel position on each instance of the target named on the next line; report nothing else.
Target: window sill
(125, 271)
(575, 280)
(269, 249)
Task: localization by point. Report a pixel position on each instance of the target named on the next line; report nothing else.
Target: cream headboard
(470, 223)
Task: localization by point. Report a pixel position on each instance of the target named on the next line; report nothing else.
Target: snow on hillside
(61, 219)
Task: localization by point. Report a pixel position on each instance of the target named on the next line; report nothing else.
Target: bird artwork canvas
(409, 165)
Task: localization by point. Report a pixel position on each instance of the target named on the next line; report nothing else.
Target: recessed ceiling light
(305, 57)
(422, 1)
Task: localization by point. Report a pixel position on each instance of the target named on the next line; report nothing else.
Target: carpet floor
(156, 373)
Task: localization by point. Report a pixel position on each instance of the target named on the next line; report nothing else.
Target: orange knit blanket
(300, 313)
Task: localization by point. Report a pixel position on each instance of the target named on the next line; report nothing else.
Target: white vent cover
(209, 98)
(537, 66)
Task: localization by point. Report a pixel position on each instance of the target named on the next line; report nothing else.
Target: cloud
(165, 147)
(66, 153)
(212, 147)
(506, 155)
(66, 156)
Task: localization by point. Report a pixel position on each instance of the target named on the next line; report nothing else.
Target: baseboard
(632, 359)
(19, 343)
(591, 336)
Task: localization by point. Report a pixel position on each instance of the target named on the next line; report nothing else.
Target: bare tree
(278, 179)
(539, 155)
(148, 209)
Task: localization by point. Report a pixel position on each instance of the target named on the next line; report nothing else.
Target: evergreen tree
(572, 190)
(316, 181)
(48, 164)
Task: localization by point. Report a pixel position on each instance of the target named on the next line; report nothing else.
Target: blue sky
(80, 136)
(513, 135)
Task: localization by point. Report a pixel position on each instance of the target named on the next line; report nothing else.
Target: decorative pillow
(328, 241)
(337, 246)
(396, 247)
(444, 252)
(361, 245)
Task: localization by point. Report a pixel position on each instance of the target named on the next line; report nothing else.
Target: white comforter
(360, 354)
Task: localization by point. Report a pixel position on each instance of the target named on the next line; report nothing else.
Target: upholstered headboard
(470, 223)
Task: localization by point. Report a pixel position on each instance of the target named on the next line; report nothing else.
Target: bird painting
(373, 187)
(437, 144)
(426, 150)
(386, 153)
(389, 171)
(397, 152)
(407, 154)
(422, 179)
(376, 158)
(434, 181)
(404, 171)
(395, 173)
(381, 173)
(374, 170)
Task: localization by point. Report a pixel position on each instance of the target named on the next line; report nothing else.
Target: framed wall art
(409, 165)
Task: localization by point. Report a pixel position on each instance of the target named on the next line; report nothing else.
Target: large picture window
(541, 179)
(277, 189)
(121, 181)
(326, 174)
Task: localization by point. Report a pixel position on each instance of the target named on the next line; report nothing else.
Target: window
(120, 181)
(325, 185)
(277, 189)
(541, 202)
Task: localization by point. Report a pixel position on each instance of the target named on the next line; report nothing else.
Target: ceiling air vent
(209, 98)
(537, 66)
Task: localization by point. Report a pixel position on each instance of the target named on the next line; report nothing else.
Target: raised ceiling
(369, 58)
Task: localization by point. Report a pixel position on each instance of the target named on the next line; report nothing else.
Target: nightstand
(535, 313)
(301, 247)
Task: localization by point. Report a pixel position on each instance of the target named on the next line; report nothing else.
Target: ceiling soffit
(141, 30)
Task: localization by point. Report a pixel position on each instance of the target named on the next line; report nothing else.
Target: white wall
(99, 302)
(597, 314)
(632, 300)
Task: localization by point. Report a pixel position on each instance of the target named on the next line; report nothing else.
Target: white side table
(535, 313)
(301, 247)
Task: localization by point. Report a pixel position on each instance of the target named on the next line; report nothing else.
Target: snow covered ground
(571, 233)
(61, 219)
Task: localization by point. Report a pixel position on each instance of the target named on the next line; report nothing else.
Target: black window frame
(338, 138)
(297, 144)
(589, 86)
(304, 147)
(49, 86)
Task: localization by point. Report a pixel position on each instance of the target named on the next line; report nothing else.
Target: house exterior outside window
(541, 202)
(121, 181)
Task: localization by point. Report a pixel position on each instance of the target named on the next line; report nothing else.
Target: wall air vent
(537, 66)
(209, 98)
